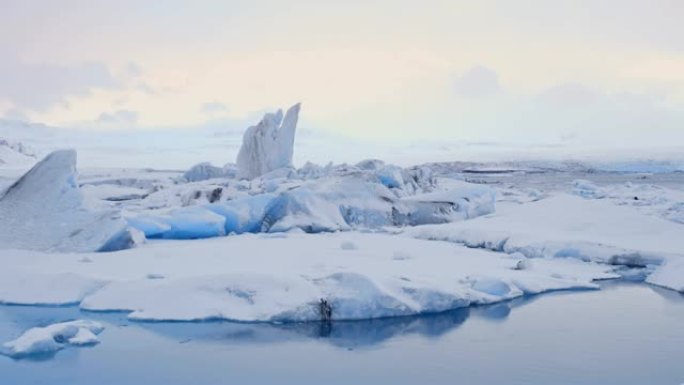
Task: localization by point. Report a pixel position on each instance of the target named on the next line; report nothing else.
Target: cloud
(120, 118)
(39, 87)
(215, 107)
(477, 82)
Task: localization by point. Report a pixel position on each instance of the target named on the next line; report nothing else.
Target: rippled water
(627, 333)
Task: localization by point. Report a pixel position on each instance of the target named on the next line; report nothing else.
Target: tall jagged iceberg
(44, 210)
(268, 145)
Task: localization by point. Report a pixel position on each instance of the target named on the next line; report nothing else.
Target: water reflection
(627, 333)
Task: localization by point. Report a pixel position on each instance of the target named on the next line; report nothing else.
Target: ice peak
(268, 145)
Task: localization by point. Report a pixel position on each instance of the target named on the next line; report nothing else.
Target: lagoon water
(626, 333)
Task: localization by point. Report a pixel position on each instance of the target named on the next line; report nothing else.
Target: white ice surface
(51, 338)
(569, 226)
(282, 278)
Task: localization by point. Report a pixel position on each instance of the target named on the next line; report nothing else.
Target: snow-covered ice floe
(44, 210)
(51, 338)
(566, 226)
(259, 277)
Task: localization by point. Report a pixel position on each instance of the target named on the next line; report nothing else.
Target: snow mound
(44, 210)
(51, 338)
(268, 146)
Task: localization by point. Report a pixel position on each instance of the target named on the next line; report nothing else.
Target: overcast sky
(609, 71)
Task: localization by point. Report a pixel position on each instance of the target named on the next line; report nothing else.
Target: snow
(51, 338)
(567, 226)
(670, 275)
(44, 210)
(254, 277)
(268, 146)
(15, 154)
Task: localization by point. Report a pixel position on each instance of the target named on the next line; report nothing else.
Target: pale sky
(608, 72)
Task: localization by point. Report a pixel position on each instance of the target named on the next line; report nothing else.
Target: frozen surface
(51, 338)
(568, 226)
(282, 278)
(44, 210)
(670, 275)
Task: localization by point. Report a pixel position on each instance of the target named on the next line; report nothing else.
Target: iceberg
(268, 146)
(44, 210)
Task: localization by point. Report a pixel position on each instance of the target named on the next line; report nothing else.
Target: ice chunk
(331, 203)
(243, 215)
(587, 189)
(203, 171)
(391, 176)
(461, 201)
(304, 209)
(44, 210)
(268, 145)
(185, 223)
(152, 227)
(51, 338)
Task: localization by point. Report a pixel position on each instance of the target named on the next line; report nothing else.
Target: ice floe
(51, 338)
